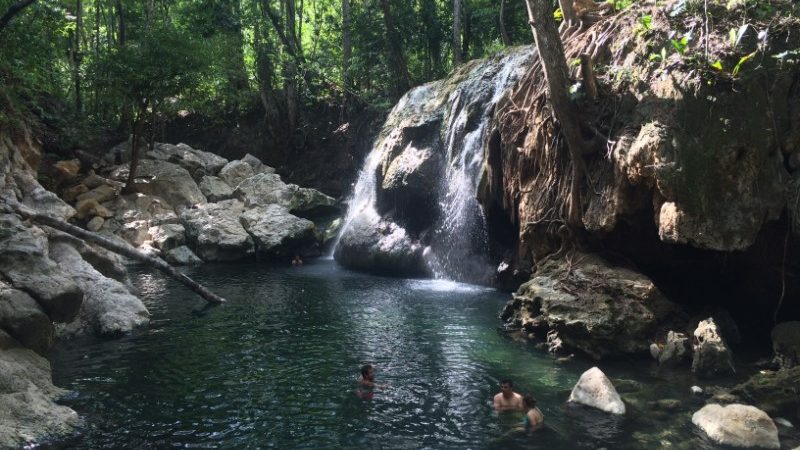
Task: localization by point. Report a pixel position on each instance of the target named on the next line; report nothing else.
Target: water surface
(276, 367)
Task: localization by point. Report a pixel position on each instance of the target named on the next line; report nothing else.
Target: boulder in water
(711, 356)
(786, 344)
(24, 319)
(168, 236)
(276, 232)
(595, 389)
(737, 425)
(774, 392)
(182, 256)
(215, 232)
(675, 351)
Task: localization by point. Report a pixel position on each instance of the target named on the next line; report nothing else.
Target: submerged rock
(597, 308)
(711, 355)
(737, 425)
(595, 389)
(776, 393)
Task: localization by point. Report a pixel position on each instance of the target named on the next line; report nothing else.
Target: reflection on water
(276, 367)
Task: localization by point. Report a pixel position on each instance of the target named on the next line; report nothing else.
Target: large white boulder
(711, 355)
(595, 389)
(276, 232)
(215, 232)
(737, 425)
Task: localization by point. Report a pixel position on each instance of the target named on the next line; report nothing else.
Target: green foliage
(742, 60)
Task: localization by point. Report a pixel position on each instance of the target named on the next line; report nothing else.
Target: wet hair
(365, 370)
(507, 381)
(529, 400)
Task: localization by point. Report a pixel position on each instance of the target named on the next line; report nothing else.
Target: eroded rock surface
(591, 305)
(215, 232)
(711, 355)
(594, 389)
(276, 232)
(737, 425)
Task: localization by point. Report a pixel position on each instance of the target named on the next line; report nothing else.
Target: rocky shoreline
(188, 207)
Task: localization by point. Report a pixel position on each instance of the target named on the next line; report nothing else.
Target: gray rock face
(257, 165)
(774, 392)
(374, 245)
(737, 425)
(215, 232)
(108, 308)
(711, 356)
(38, 198)
(675, 351)
(140, 206)
(168, 236)
(594, 389)
(28, 411)
(599, 309)
(276, 232)
(135, 233)
(412, 174)
(24, 319)
(268, 189)
(215, 189)
(182, 256)
(196, 162)
(95, 224)
(24, 261)
(786, 344)
(235, 172)
(169, 181)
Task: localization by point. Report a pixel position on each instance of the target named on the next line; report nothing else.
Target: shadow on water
(276, 367)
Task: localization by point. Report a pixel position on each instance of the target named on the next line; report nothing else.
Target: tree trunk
(77, 56)
(501, 19)
(347, 53)
(137, 133)
(395, 44)
(568, 12)
(456, 32)
(551, 54)
(467, 35)
(121, 249)
(12, 11)
(291, 67)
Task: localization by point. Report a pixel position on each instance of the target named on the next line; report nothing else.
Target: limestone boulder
(375, 245)
(276, 232)
(410, 184)
(138, 206)
(108, 309)
(235, 172)
(257, 165)
(215, 188)
(268, 189)
(594, 389)
(71, 194)
(25, 262)
(168, 236)
(182, 256)
(786, 344)
(196, 162)
(215, 232)
(95, 223)
(737, 426)
(23, 319)
(593, 306)
(100, 194)
(135, 232)
(169, 181)
(675, 351)
(28, 411)
(711, 355)
(34, 196)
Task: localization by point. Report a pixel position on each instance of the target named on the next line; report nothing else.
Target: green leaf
(663, 53)
(743, 60)
(717, 65)
(732, 36)
(558, 15)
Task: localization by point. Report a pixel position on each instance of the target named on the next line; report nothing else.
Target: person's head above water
(529, 401)
(507, 387)
(367, 371)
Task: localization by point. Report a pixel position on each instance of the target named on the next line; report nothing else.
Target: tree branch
(13, 10)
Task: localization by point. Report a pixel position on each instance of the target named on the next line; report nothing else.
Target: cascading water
(415, 201)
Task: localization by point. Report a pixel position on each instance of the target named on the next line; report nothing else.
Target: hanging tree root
(121, 249)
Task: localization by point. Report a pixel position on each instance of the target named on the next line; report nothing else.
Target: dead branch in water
(121, 249)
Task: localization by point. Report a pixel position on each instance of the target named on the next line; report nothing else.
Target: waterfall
(450, 118)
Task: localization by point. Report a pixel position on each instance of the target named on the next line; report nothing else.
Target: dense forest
(113, 67)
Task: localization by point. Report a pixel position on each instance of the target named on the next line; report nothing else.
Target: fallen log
(119, 248)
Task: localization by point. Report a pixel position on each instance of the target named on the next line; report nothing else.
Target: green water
(276, 367)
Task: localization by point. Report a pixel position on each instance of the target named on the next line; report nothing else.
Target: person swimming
(533, 418)
(366, 383)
